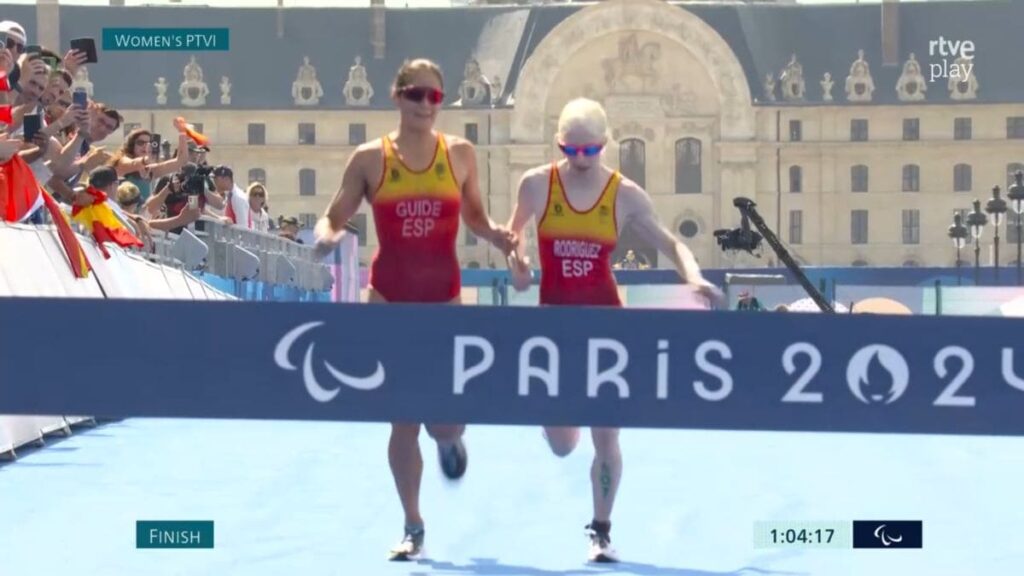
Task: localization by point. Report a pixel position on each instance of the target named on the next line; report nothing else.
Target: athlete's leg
(562, 439)
(606, 471)
(407, 469)
(451, 450)
(604, 477)
(406, 464)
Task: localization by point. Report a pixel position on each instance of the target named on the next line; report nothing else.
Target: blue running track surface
(296, 498)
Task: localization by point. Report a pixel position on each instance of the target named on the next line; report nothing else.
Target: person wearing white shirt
(236, 200)
(257, 194)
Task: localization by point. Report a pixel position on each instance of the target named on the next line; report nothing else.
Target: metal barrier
(242, 254)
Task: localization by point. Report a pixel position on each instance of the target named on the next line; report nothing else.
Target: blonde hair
(410, 67)
(127, 193)
(585, 113)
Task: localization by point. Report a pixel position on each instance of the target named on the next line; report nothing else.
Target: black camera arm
(747, 209)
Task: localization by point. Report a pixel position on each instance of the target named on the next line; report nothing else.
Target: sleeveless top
(576, 247)
(416, 214)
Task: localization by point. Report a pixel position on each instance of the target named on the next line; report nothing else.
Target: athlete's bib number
(577, 268)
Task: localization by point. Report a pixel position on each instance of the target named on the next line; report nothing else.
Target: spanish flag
(21, 195)
(99, 219)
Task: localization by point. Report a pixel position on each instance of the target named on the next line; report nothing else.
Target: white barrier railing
(33, 264)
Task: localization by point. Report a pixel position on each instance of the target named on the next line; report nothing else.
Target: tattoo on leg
(606, 480)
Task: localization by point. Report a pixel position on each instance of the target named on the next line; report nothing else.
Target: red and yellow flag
(99, 219)
(20, 195)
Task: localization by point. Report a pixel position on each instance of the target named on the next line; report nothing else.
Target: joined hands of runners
(519, 266)
(503, 239)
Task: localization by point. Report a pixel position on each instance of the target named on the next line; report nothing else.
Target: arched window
(633, 160)
(688, 166)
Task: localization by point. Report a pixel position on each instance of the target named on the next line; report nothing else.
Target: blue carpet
(317, 499)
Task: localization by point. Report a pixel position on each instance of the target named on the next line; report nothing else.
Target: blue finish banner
(512, 365)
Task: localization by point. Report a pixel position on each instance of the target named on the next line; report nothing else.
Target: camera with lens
(195, 179)
(742, 238)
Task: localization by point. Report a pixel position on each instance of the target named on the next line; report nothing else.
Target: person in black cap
(236, 201)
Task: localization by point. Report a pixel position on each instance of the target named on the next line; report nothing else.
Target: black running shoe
(410, 548)
(453, 459)
(601, 545)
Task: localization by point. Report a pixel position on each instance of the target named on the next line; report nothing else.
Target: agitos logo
(888, 534)
(281, 357)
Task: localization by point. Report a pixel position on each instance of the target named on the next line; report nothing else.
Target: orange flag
(21, 194)
(100, 220)
(196, 137)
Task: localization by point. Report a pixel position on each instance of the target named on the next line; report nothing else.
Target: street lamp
(996, 207)
(1016, 195)
(958, 232)
(976, 221)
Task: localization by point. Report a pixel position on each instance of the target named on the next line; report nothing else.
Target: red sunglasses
(585, 149)
(418, 93)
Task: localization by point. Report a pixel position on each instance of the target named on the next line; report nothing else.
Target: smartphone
(31, 125)
(155, 146)
(33, 49)
(80, 98)
(193, 202)
(87, 45)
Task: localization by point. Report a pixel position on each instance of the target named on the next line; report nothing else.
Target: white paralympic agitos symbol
(318, 392)
(869, 366)
(885, 538)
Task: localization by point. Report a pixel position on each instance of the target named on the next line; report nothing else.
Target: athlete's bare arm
(473, 214)
(637, 210)
(529, 206)
(355, 185)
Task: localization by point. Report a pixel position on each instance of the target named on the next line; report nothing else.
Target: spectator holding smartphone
(136, 162)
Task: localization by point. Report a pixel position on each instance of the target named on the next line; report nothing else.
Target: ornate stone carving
(859, 84)
(634, 69)
(475, 89)
(792, 77)
(496, 89)
(533, 91)
(225, 91)
(634, 129)
(306, 89)
(911, 85)
(357, 90)
(679, 102)
(193, 90)
(962, 83)
(826, 87)
(769, 88)
(82, 81)
(634, 107)
(161, 91)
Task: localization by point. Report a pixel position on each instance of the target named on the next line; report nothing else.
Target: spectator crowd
(119, 193)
